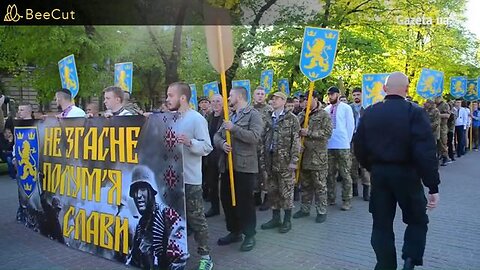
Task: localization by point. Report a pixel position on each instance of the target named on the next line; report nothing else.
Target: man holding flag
(314, 164)
(246, 127)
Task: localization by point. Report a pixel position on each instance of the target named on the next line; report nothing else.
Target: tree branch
(157, 46)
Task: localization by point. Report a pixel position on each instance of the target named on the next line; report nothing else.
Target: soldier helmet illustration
(56, 203)
(142, 176)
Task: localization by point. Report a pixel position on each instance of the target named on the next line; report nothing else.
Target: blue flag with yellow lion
(430, 84)
(124, 76)
(245, 84)
(458, 86)
(472, 90)
(68, 74)
(193, 98)
(318, 52)
(26, 154)
(372, 88)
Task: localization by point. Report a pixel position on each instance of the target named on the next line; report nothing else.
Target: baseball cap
(280, 95)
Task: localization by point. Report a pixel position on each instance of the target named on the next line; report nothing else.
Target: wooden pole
(305, 125)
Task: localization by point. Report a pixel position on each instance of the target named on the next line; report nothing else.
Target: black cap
(203, 98)
(333, 89)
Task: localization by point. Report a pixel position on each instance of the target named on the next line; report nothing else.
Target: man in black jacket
(212, 172)
(394, 141)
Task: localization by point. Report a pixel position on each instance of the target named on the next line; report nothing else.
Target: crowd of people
(277, 157)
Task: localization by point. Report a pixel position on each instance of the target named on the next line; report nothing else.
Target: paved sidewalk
(343, 242)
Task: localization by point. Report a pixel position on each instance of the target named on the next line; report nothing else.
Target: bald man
(394, 142)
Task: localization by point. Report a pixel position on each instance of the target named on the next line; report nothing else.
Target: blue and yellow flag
(283, 86)
(458, 86)
(318, 52)
(472, 90)
(245, 84)
(372, 88)
(210, 89)
(430, 84)
(266, 80)
(27, 155)
(193, 99)
(124, 76)
(68, 74)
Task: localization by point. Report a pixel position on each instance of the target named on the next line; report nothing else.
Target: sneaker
(205, 263)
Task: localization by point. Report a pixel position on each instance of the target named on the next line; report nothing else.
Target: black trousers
(212, 177)
(392, 184)
(241, 218)
(460, 134)
(451, 154)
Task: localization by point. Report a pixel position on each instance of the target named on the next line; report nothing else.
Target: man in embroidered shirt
(339, 159)
(113, 100)
(63, 98)
(193, 134)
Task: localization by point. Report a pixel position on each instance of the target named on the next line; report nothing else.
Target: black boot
(366, 193)
(266, 204)
(287, 222)
(408, 264)
(296, 194)
(444, 161)
(258, 198)
(213, 211)
(274, 222)
(355, 190)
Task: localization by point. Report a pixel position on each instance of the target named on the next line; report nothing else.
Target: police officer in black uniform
(394, 141)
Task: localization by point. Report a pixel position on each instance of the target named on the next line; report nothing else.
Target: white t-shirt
(75, 112)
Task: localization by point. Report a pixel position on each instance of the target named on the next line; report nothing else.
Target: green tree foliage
(374, 38)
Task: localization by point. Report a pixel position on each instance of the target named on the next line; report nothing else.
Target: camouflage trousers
(196, 217)
(280, 190)
(339, 162)
(261, 183)
(314, 185)
(357, 172)
(442, 147)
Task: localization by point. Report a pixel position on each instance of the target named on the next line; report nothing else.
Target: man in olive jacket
(246, 127)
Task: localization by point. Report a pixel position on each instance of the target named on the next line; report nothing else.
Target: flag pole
(305, 125)
(225, 114)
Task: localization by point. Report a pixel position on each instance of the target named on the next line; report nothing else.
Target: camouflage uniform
(443, 108)
(266, 113)
(357, 172)
(196, 217)
(133, 108)
(339, 161)
(282, 148)
(314, 167)
(434, 116)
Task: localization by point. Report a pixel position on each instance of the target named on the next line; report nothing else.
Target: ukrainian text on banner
(111, 187)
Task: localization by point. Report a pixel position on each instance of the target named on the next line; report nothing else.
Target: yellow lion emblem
(315, 53)
(458, 86)
(471, 89)
(121, 80)
(428, 85)
(266, 84)
(28, 167)
(376, 92)
(283, 88)
(71, 84)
